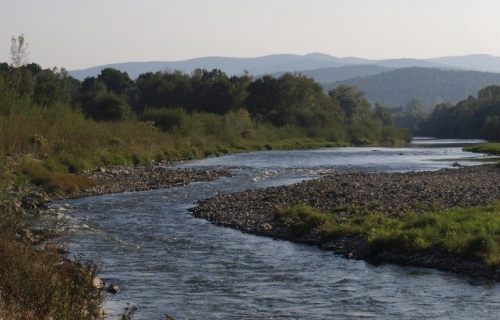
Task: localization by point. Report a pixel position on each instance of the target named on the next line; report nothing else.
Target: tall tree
(116, 80)
(382, 114)
(19, 52)
(353, 102)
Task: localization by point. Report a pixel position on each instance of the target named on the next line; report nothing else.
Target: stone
(113, 288)
(98, 283)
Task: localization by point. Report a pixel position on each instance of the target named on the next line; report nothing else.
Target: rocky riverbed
(393, 193)
(140, 178)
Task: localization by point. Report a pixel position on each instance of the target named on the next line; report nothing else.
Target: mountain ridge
(291, 63)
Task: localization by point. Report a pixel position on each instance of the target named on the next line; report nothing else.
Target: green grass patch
(491, 148)
(472, 233)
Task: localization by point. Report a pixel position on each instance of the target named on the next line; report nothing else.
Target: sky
(81, 34)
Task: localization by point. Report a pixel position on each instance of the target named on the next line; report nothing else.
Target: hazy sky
(80, 34)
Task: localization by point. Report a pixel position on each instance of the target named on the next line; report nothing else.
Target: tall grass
(472, 233)
(41, 284)
(36, 280)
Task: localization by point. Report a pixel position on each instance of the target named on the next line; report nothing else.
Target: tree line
(288, 100)
(474, 117)
(432, 86)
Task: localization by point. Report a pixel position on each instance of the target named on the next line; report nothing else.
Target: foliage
(470, 118)
(433, 86)
(353, 102)
(382, 114)
(39, 282)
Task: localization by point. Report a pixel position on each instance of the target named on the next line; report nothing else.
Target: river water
(168, 262)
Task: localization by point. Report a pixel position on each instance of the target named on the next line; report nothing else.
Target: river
(168, 262)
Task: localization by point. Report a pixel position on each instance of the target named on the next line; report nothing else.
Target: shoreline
(120, 179)
(393, 193)
(251, 211)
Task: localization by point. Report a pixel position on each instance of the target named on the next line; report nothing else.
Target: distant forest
(433, 86)
(474, 117)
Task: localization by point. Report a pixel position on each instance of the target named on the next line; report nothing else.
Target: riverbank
(394, 194)
(119, 179)
(41, 253)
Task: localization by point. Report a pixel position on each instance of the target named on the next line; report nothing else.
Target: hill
(257, 66)
(334, 74)
(480, 62)
(230, 66)
(395, 88)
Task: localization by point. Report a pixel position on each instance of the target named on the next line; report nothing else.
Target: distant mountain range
(389, 82)
(292, 63)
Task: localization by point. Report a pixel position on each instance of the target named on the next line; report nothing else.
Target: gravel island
(392, 193)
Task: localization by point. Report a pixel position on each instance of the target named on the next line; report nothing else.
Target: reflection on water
(166, 261)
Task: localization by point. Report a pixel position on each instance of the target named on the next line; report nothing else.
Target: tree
(212, 92)
(353, 102)
(115, 80)
(491, 129)
(112, 108)
(19, 52)
(46, 93)
(416, 109)
(262, 97)
(382, 114)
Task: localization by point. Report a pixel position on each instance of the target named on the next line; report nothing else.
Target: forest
(431, 85)
(474, 117)
(239, 112)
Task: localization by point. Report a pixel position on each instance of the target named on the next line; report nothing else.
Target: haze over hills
(291, 63)
(334, 74)
(396, 87)
(391, 82)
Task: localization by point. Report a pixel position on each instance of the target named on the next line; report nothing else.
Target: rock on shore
(394, 193)
(140, 178)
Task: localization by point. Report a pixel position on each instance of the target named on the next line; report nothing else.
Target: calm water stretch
(167, 262)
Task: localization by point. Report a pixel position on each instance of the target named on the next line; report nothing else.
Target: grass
(36, 280)
(56, 142)
(492, 148)
(40, 284)
(472, 233)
